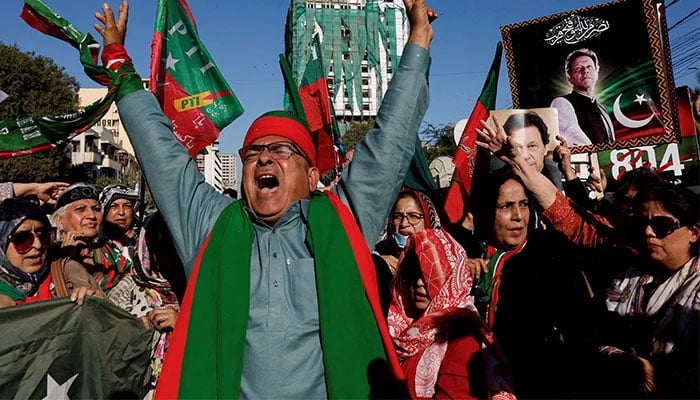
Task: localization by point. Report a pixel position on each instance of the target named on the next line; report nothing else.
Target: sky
(245, 38)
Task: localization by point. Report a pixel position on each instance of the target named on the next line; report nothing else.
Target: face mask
(400, 240)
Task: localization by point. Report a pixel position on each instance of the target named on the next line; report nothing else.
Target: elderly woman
(446, 349)
(26, 273)
(79, 219)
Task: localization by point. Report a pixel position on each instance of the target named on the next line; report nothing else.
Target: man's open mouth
(267, 182)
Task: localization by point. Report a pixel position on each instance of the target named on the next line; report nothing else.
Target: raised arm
(371, 183)
(189, 205)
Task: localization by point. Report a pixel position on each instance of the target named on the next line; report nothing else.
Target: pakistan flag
(59, 350)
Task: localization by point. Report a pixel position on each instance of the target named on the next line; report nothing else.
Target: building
(229, 170)
(110, 120)
(209, 165)
(361, 44)
(99, 152)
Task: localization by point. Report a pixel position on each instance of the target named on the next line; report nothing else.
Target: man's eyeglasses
(661, 225)
(413, 218)
(24, 240)
(278, 151)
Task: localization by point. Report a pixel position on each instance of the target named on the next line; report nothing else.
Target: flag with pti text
(465, 158)
(189, 86)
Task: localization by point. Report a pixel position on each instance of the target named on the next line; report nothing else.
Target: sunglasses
(24, 240)
(661, 225)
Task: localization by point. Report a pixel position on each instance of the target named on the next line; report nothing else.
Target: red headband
(286, 127)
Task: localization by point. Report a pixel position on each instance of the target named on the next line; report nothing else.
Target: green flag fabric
(189, 86)
(58, 349)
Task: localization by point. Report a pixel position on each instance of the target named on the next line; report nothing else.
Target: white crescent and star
(628, 122)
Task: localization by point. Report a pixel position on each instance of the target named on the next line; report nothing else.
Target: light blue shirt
(283, 352)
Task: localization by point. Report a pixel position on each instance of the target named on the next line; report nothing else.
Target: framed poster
(606, 69)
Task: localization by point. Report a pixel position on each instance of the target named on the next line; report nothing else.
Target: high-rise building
(229, 170)
(361, 46)
(210, 166)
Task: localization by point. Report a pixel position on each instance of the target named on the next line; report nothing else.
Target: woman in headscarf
(26, 273)
(413, 212)
(152, 289)
(445, 348)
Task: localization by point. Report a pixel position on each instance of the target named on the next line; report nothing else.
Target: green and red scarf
(35, 134)
(205, 358)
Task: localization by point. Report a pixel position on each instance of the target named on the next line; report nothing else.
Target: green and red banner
(465, 158)
(318, 108)
(190, 88)
(33, 134)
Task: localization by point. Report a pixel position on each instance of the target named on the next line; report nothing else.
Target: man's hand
(420, 16)
(112, 31)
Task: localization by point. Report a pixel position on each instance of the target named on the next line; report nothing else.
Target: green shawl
(205, 359)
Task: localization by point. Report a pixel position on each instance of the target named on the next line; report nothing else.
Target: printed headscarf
(117, 191)
(446, 275)
(432, 219)
(13, 212)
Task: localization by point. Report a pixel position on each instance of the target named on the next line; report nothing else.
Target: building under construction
(361, 42)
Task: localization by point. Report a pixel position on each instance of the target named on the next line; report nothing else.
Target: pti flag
(35, 134)
(313, 92)
(58, 350)
(465, 158)
(189, 87)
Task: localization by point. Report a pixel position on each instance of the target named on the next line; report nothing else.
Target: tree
(439, 141)
(36, 87)
(355, 133)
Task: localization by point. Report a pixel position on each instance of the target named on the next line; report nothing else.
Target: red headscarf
(446, 275)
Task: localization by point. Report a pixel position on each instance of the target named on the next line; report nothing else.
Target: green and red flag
(190, 88)
(34, 134)
(465, 158)
(57, 349)
(318, 108)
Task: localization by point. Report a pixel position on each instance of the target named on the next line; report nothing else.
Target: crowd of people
(360, 290)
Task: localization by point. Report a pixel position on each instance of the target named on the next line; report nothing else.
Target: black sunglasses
(24, 240)
(661, 225)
